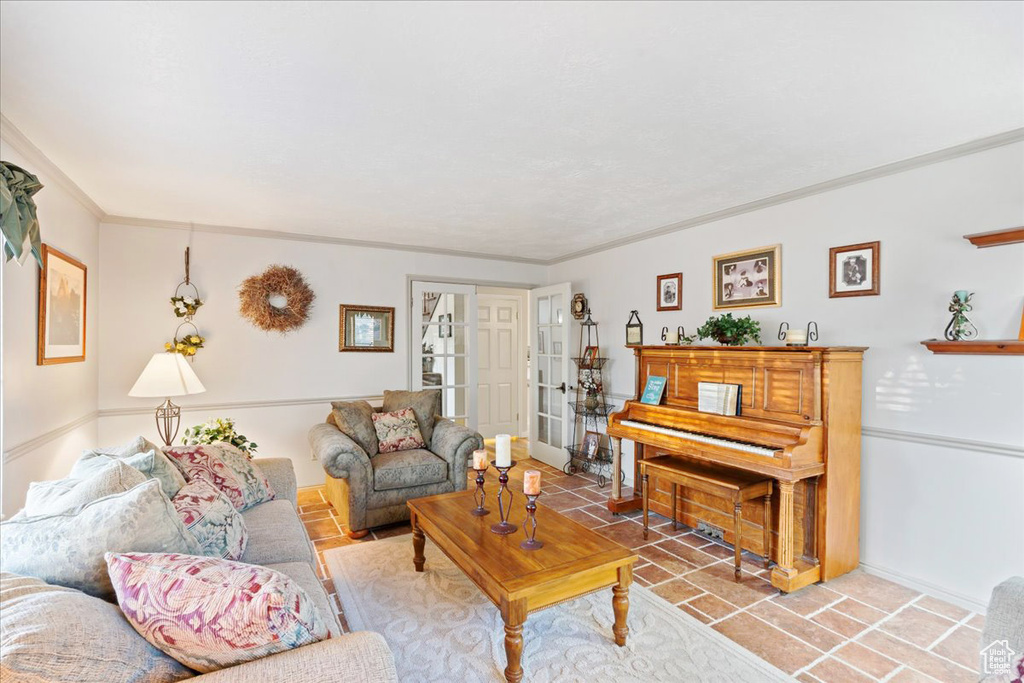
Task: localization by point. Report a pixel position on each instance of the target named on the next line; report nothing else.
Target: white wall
(942, 516)
(241, 364)
(49, 411)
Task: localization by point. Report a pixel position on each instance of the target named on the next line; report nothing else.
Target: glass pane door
(549, 336)
(443, 346)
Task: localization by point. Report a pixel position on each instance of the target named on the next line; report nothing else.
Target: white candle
(672, 337)
(503, 450)
(531, 482)
(480, 460)
(796, 336)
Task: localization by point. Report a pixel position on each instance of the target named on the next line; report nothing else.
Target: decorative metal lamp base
(168, 418)
(479, 496)
(530, 525)
(504, 527)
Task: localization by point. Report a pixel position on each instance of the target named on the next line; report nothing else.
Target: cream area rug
(441, 628)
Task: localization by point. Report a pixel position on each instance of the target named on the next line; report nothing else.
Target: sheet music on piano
(719, 398)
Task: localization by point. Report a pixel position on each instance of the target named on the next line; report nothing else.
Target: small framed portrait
(62, 309)
(591, 445)
(366, 328)
(853, 270)
(670, 292)
(589, 354)
(748, 279)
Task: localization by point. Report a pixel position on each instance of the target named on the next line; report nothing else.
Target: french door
(549, 407)
(443, 336)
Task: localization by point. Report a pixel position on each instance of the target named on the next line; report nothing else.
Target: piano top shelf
(747, 349)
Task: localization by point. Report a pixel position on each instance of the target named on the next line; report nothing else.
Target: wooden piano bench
(737, 486)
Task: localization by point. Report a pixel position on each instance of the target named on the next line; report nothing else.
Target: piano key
(745, 447)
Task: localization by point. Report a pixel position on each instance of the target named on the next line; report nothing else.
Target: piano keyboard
(704, 438)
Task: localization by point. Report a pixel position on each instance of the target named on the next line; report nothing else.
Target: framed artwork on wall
(670, 292)
(748, 279)
(854, 270)
(62, 309)
(366, 328)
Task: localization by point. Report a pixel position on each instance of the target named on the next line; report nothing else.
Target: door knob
(561, 387)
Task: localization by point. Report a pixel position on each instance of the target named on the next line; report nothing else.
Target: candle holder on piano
(504, 527)
(530, 525)
(479, 496)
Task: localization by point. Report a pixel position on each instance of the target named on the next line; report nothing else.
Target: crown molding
(980, 145)
(306, 237)
(18, 141)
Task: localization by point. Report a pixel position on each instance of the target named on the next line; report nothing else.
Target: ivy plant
(730, 331)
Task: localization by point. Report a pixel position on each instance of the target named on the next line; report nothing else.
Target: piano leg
(617, 468)
(737, 522)
(647, 502)
(786, 576)
(767, 530)
(675, 494)
(616, 503)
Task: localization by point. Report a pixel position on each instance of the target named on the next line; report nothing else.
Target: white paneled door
(498, 349)
(444, 353)
(549, 341)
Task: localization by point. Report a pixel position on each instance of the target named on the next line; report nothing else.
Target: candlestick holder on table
(478, 495)
(530, 525)
(504, 526)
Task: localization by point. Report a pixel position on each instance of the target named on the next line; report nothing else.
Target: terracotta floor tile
(578, 481)
(719, 552)
(641, 581)
(840, 623)
(328, 585)
(946, 609)
(309, 496)
(603, 513)
(316, 514)
(917, 626)
(695, 557)
(911, 676)
(562, 501)
(717, 579)
(798, 626)
(592, 496)
(807, 678)
(860, 611)
(807, 600)
(693, 540)
(702, 618)
(963, 646)
(767, 642)
(977, 621)
(665, 559)
(653, 573)
(322, 544)
(876, 592)
(834, 671)
(314, 507)
(628, 534)
(322, 528)
(925, 662)
(868, 661)
(716, 608)
(676, 590)
(585, 518)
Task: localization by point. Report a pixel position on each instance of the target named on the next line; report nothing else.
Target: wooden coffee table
(573, 562)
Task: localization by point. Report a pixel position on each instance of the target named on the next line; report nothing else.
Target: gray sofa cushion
(302, 574)
(423, 403)
(355, 420)
(403, 469)
(153, 464)
(54, 497)
(275, 534)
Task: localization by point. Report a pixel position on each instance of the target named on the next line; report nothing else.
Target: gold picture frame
(366, 328)
(748, 279)
(63, 300)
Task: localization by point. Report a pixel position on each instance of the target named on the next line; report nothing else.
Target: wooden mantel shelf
(990, 347)
(996, 237)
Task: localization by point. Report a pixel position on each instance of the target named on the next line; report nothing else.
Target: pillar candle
(503, 450)
(480, 460)
(796, 336)
(672, 337)
(531, 482)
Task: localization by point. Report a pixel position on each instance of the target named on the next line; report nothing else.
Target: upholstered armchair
(371, 490)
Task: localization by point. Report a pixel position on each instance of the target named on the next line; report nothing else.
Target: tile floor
(855, 628)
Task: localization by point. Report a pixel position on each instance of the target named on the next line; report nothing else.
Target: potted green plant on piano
(730, 331)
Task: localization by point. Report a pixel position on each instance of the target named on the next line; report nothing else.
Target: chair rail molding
(15, 452)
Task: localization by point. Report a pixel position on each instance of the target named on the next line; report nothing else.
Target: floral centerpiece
(185, 306)
(218, 430)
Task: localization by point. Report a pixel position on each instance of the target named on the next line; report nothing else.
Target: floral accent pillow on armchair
(397, 431)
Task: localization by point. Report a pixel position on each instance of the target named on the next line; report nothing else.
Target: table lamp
(167, 375)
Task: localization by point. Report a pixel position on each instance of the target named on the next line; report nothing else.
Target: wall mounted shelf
(996, 237)
(988, 347)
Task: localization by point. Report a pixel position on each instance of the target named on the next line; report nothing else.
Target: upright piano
(799, 424)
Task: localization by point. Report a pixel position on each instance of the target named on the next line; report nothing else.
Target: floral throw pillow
(397, 431)
(209, 613)
(234, 474)
(212, 519)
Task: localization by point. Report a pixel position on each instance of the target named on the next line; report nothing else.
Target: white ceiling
(525, 129)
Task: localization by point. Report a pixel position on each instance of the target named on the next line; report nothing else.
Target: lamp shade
(166, 375)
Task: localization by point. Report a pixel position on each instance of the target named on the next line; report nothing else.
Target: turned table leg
(513, 614)
(620, 604)
(417, 545)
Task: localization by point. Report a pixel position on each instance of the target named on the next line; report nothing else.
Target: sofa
(370, 490)
(1004, 626)
(277, 540)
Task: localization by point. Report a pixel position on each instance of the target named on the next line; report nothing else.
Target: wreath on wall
(292, 299)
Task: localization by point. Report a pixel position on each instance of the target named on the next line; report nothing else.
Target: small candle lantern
(479, 466)
(531, 488)
(634, 330)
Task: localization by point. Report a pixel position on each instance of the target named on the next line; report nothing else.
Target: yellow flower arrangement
(187, 346)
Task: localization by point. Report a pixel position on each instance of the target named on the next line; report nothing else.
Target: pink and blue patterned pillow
(230, 471)
(212, 519)
(397, 431)
(209, 613)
